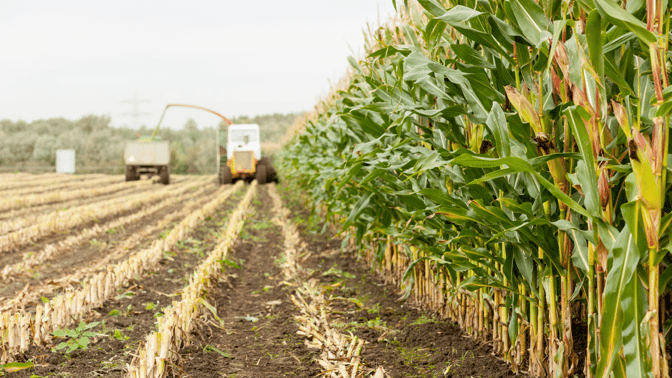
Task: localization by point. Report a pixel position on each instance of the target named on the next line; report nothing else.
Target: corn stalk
(515, 152)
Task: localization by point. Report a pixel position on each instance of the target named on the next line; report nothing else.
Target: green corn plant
(510, 157)
(77, 338)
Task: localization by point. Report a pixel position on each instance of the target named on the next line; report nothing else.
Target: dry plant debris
(340, 357)
(175, 327)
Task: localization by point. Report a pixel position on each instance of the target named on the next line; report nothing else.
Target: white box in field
(65, 161)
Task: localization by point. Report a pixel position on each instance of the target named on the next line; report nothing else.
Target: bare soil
(259, 333)
(401, 338)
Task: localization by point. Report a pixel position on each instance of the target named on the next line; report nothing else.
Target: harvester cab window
(245, 136)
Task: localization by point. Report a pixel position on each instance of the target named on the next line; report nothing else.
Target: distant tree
(21, 145)
(10, 127)
(92, 122)
(178, 159)
(191, 130)
(45, 148)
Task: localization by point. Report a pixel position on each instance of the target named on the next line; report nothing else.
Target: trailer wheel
(164, 174)
(130, 173)
(261, 174)
(226, 177)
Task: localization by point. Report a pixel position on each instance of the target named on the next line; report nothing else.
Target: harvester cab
(243, 147)
(242, 157)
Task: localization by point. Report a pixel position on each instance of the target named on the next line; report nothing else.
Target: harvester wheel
(226, 176)
(130, 173)
(271, 175)
(261, 174)
(164, 174)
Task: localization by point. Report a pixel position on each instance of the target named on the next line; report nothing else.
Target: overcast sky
(73, 58)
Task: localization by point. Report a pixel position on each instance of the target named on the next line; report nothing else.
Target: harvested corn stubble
(14, 202)
(52, 250)
(175, 327)
(65, 220)
(114, 252)
(340, 357)
(22, 329)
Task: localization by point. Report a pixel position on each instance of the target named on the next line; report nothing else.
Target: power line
(135, 112)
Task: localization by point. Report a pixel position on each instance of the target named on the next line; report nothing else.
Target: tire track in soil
(90, 253)
(107, 356)
(412, 343)
(268, 347)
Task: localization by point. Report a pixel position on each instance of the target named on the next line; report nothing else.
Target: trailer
(149, 157)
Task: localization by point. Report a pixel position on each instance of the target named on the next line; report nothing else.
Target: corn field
(506, 163)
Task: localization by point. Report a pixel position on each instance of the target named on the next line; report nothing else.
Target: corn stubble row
(340, 357)
(175, 327)
(64, 220)
(193, 199)
(65, 185)
(15, 202)
(52, 250)
(21, 328)
(12, 181)
(14, 220)
(186, 207)
(25, 215)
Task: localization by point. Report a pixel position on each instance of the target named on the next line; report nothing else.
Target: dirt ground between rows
(258, 338)
(401, 338)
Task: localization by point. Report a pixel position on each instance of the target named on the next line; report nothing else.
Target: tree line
(99, 147)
